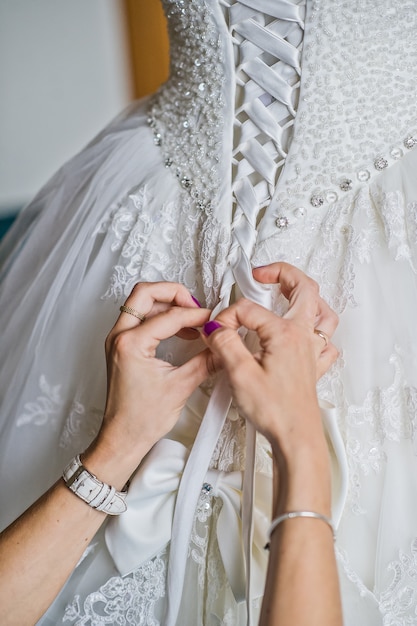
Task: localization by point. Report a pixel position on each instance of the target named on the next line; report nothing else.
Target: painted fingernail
(196, 301)
(210, 327)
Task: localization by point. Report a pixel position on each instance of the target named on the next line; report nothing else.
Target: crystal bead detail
(186, 182)
(207, 488)
(363, 175)
(380, 163)
(316, 200)
(331, 197)
(300, 212)
(281, 222)
(410, 142)
(346, 184)
(396, 153)
(192, 98)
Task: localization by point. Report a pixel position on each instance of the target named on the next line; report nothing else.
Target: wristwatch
(93, 491)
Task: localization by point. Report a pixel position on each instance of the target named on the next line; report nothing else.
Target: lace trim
(387, 414)
(328, 247)
(136, 599)
(81, 425)
(150, 249)
(397, 603)
(128, 601)
(45, 409)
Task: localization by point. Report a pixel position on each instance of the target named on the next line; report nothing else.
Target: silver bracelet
(294, 514)
(93, 491)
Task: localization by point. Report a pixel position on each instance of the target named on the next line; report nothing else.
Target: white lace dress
(285, 132)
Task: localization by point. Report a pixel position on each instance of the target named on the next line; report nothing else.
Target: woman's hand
(145, 395)
(276, 388)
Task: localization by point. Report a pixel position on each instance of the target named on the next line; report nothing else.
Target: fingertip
(196, 302)
(262, 274)
(210, 327)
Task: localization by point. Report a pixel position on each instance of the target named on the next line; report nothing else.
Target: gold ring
(323, 335)
(128, 309)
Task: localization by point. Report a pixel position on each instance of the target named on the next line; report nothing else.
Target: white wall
(63, 76)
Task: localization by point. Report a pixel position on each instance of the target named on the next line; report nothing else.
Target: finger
(326, 320)
(245, 313)
(236, 359)
(167, 324)
(326, 359)
(195, 371)
(301, 291)
(150, 298)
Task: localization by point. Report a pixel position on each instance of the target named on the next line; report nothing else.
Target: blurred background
(67, 67)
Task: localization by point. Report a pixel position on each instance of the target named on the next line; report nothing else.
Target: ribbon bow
(145, 529)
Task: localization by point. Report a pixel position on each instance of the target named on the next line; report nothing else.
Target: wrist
(110, 463)
(303, 481)
(96, 493)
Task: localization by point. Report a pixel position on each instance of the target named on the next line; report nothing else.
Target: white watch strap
(93, 491)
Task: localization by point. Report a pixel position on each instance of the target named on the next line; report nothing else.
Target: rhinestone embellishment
(316, 200)
(331, 196)
(186, 113)
(346, 184)
(396, 153)
(300, 212)
(410, 142)
(204, 507)
(380, 163)
(363, 175)
(281, 222)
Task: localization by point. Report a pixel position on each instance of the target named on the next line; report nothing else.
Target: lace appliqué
(325, 251)
(230, 452)
(128, 601)
(387, 414)
(81, 425)
(210, 570)
(173, 242)
(400, 222)
(45, 409)
(398, 603)
(332, 245)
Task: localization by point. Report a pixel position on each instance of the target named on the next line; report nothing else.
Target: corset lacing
(267, 38)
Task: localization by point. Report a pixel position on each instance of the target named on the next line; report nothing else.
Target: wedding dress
(285, 132)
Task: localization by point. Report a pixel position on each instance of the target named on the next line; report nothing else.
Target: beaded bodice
(225, 118)
(186, 114)
(233, 88)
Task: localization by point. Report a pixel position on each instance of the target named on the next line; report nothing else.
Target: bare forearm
(302, 584)
(40, 550)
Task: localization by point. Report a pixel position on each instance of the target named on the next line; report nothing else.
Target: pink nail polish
(210, 327)
(196, 301)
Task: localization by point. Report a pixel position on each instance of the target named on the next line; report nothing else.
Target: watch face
(95, 493)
